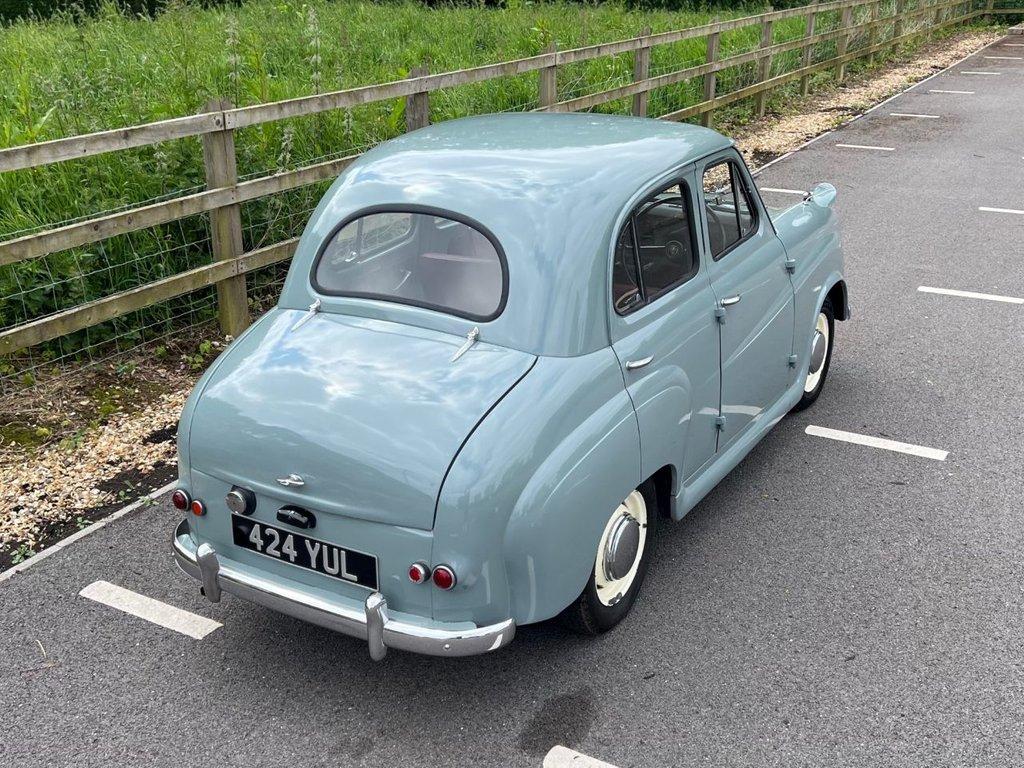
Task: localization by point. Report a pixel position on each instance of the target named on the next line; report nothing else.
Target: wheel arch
(838, 297)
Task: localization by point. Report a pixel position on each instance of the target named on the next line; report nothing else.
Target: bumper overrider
(369, 620)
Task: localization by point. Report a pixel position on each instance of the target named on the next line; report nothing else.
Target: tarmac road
(827, 604)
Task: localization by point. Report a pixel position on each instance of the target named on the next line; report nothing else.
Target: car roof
(566, 148)
(550, 187)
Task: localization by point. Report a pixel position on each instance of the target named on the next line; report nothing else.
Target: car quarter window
(414, 257)
(655, 251)
(730, 212)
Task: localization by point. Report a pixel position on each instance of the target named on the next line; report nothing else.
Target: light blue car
(506, 348)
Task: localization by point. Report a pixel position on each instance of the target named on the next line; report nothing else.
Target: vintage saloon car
(506, 347)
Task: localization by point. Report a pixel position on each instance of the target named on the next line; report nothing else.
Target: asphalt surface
(827, 604)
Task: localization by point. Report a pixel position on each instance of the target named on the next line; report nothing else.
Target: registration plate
(304, 552)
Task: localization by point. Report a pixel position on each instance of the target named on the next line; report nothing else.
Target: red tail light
(180, 499)
(418, 573)
(444, 577)
(198, 508)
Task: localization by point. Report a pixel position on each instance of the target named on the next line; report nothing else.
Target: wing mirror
(824, 195)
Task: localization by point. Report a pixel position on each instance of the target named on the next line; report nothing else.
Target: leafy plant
(22, 553)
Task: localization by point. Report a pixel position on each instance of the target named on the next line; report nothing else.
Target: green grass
(60, 78)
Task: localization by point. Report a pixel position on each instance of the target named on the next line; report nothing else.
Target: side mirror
(824, 195)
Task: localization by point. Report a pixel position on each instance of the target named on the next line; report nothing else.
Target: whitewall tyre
(816, 370)
(620, 562)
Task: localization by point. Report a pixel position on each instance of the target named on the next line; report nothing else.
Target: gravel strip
(765, 139)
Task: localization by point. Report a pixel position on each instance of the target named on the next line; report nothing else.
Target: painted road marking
(783, 191)
(563, 757)
(975, 72)
(878, 442)
(1000, 210)
(909, 114)
(965, 93)
(1006, 58)
(162, 614)
(866, 146)
(971, 294)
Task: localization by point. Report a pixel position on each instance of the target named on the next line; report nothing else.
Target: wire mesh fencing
(34, 290)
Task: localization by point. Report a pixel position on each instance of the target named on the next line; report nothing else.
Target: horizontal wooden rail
(796, 74)
(110, 307)
(92, 230)
(60, 150)
(642, 86)
(671, 78)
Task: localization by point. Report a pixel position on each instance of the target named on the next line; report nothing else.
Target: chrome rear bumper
(369, 620)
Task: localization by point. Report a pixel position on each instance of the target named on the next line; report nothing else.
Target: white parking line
(909, 114)
(783, 191)
(153, 611)
(1006, 58)
(878, 442)
(975, 72)
(964, 93)
(970, 294)
(867, 146)
(1000, 210)
(1014, 45)
(563, 757)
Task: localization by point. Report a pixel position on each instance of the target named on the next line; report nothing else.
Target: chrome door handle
(632, 365)
(731, 300)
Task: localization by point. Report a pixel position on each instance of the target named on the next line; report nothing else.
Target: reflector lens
(180, 500)
(198, 508)
(418, 573)
(444, 577)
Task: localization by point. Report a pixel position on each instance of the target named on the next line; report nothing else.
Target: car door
(754, 292)
(664, 330)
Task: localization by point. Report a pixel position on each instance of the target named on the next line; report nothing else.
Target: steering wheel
(625, 300)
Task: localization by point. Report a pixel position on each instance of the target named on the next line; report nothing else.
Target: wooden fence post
(417, 105)
(641, 71)
(225, 223)
(548, 80)
(897, 29)
(988, 7)
(843, 42)
(706, 117)
(764, 68)
(805, 81)
(873, 34)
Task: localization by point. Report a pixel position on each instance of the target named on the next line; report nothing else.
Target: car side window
(655, 251)
(730, 212)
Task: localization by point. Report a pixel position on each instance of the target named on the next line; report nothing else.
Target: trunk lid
(368, 413)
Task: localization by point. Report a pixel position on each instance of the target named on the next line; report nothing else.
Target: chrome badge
(292, 481)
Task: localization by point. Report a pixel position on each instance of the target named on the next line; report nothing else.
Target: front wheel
(620, 563)
(821, 356)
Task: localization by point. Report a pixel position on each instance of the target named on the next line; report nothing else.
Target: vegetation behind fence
(191, 253)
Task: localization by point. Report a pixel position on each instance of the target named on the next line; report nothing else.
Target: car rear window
(411, 257)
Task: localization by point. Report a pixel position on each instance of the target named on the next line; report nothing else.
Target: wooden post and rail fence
(224, 194)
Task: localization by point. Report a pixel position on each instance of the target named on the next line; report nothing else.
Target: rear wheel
(620, 563)
(821, 356)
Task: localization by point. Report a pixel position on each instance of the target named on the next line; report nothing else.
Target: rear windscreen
(414, 258)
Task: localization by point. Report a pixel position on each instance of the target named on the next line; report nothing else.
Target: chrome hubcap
(621, 549)
(819, 349)
(622, 546)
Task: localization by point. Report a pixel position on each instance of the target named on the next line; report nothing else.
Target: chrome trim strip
(371, 623)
